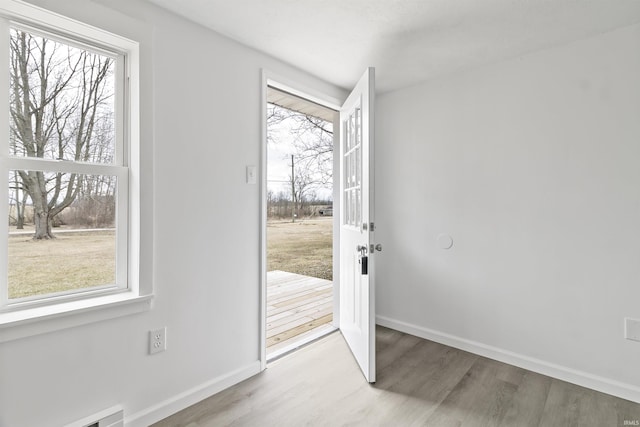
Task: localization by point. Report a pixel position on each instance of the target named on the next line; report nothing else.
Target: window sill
(40, 320)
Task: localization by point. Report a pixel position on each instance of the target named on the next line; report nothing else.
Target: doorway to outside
(299, 222)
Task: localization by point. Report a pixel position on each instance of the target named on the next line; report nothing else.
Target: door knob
(379, 247)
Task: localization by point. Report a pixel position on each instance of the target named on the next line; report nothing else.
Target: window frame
(126, 295)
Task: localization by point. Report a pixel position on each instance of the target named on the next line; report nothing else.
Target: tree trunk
(41, 213)
(23, 209)
(43, 225)
(19, 217)
(19, 204)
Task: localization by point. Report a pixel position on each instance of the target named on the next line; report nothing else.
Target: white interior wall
(201, 125)
(532, 166)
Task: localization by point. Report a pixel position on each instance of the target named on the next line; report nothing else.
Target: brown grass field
(303, 247)
(86, 259)
(70, 261)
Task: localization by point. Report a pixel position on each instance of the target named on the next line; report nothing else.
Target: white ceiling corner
(408, 41)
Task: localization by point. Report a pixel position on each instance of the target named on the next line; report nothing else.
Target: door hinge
(372, 226)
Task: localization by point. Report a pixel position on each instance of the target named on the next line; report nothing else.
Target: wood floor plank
(299, 320)
(297, 289)
(527, 407)
(628, 413)
(563, 404)
(307, 305)
(301, 297)
(420, 383)
(479, 399)
(440, 368)
(300, 329)
(277, 300)
(296, 305)
(303, 338)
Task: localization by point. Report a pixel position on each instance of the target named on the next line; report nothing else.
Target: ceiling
(408, 41)
(292, 102)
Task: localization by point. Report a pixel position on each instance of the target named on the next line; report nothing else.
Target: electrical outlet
(157, 340)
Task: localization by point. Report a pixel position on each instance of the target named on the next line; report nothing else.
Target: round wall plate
(445, 241)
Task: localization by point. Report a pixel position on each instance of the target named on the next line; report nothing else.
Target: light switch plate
(252, 173)
(632, 329)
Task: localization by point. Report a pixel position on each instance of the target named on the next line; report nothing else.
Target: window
(68, 161)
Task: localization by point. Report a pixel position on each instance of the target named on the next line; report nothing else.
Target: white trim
(584, 379)
(5, 78)
(291, 86)
(59, 37)
(263, 221)
(301, 343)
(269, 78)
(131, 160)
(190, 397)
(64, 166)
(113, 412)
(52, 317)
(337, 216)
(68, 311)
(29, 14)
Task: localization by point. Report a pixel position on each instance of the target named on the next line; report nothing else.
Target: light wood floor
(419, 383)
(297, 306)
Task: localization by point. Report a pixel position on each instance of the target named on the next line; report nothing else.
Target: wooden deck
(298, 309)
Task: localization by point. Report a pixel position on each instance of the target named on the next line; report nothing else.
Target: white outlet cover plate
(157, 340)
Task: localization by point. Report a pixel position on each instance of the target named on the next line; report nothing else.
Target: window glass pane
(61, 100)
(61, 232)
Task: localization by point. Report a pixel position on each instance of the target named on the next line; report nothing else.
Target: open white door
(357, 286)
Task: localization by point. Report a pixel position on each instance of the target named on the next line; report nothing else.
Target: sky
(279, 152)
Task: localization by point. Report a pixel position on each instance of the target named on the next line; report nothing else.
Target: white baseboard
(584, 379)
(185, 399)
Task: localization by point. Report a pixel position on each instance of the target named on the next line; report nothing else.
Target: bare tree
(60, 98)
(314, 145)
(312, 140)
(312, 161)
(303, 184)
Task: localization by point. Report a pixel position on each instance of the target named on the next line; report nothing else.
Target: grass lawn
(71, 261)
(303, 247)
(86, 259)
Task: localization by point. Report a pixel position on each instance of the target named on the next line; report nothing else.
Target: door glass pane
(347, 207)
(358, 127)
(353, 169)
(358, 208)
(358, 166)
(61, 232)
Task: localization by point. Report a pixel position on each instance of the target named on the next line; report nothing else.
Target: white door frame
(291, 86)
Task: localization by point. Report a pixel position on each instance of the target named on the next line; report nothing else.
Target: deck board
(296, 305)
